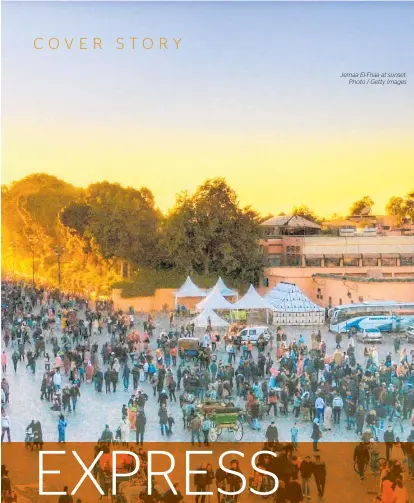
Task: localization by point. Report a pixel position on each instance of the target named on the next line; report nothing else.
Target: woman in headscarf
(132, 413)
(89, 372)
(316, 434)
(327, 420)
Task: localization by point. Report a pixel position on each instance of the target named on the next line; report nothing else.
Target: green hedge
(146, 281)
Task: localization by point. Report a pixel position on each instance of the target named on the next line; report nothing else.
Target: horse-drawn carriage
(223, 416)
(225, 419)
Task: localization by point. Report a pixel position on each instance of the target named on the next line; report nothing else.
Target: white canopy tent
(292, 307)
(189, 289)
(224, 290)
(252, 300)
(215, 301)
(201, 321)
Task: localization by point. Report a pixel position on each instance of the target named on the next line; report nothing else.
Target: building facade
(332, 270)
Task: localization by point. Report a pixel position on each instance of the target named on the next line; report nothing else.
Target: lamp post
(33, 240)
(58, 252)
(13, 245)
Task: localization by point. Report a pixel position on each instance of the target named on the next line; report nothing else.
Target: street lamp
(33, 240)
(58, 252)
(13, 245)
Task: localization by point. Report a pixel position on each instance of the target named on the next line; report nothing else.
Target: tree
(122, 221)
(396, 207)
(76, 217)
(359, 206)
(305, 212)
(409, 205)
(209, 233)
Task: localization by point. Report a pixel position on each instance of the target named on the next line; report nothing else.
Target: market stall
(292, 307)
(188, 295)
(215, 301)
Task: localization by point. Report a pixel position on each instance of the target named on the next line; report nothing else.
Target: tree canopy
(122, 221)
(209, 233)
(363, 204)
(305, 212)
(400, 207)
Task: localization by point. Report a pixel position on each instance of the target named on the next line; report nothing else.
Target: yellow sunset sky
(254, 94)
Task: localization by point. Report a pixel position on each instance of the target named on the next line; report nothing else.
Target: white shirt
(319, 403)
(57, 379)
(5, 422)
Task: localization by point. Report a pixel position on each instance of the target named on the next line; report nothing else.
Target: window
(252, 332)
(313, 262)
(351, 261)
(330, 302)
(370, 261)
(340, 302)
(274, 260)
(389, 261)
(293, 260)
(407, 260)
(332, 262)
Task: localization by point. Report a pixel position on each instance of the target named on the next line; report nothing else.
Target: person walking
(140, 426)
(206, 427)
(15, 359)
(316, 434)
(200, 482)
(62, 424)
(4, 362)
(172, 385)
(306, 471)
(5, 426)
(319, 472)
(163, 415)
(195, 427)
(389, 440)
(361, 458)
(125, 376)
(294, 491)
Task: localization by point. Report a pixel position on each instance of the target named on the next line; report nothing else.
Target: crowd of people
(79, 344)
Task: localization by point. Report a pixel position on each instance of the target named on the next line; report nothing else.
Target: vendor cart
(188, 347)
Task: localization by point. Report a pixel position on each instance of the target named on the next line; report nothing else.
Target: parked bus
(387, 316)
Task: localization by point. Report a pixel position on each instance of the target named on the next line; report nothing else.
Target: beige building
(332, 270)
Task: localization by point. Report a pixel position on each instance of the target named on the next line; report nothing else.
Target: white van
(253, 334)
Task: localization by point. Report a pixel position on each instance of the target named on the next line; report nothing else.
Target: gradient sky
(254, 94)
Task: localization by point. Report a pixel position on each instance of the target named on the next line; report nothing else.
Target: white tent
(202, 320)
(252, 300)
(189, 289)
(215, 301)
(292, 307)
(224, 290)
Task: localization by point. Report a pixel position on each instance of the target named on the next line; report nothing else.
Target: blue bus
(387, 316)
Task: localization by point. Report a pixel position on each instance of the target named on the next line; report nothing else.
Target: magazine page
(207, 287)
